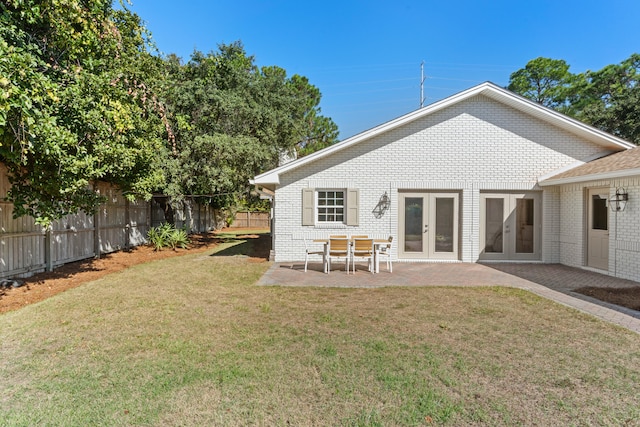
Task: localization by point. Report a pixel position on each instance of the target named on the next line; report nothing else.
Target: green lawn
(192, 341)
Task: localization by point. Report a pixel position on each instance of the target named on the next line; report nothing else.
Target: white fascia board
(269, 177)
(592, 177)
(488, 89)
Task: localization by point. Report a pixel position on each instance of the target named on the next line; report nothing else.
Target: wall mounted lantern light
(619, 200)
(383, 205)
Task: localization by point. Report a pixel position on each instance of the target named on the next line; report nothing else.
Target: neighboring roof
(488, 89)
(617, 165)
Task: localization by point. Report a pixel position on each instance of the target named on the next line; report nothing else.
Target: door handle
(426, 228)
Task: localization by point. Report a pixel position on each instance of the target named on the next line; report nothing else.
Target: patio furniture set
(351, 248)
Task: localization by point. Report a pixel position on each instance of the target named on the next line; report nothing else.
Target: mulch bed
(625, 297)
(44, 285)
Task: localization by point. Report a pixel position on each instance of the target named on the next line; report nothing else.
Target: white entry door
(428, 225)
(598, 228)
(510, 226)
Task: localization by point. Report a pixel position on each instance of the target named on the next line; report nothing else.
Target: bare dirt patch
(44, 285)
(625, 297)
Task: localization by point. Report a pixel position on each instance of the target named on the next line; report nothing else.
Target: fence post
(96, 233)
(149, 216)
(96, 228)
(199, 226)
(207, 217)
(127, 225)
(48, 260)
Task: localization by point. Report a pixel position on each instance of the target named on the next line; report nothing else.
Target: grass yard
(191, 341)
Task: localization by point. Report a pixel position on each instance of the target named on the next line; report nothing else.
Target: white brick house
(592, 232)
(475, 177)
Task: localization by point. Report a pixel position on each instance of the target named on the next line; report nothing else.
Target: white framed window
(322, 206)
(330, 205)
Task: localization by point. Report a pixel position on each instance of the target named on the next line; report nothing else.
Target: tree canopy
(608, 99)
(233, 120)
(543, 80)
(84, 98)
(75, 104)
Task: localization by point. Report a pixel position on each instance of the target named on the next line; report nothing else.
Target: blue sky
(365, 56)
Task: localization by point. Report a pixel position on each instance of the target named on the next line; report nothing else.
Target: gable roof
(617, 165)
(487, 89)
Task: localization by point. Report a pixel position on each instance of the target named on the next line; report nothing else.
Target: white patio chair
(385, 251)
(308, 252)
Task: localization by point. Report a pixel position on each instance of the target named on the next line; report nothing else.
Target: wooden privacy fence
(251, 220)
(26, 248)
(189, 214)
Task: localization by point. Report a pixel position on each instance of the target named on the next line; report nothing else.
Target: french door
(510, 226)
(428, 225)
(598, 229)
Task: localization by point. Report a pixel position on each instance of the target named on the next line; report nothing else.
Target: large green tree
(545, 81)
(76, 104)
(608, 99)
(83, 99)
(233, 120)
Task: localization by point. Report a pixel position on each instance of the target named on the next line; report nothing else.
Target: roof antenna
(422, 78)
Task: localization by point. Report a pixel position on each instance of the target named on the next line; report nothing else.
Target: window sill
(332, 225)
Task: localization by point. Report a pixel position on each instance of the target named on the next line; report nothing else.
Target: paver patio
(552, 281)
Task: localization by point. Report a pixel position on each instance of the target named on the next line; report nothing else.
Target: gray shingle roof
(626, 160)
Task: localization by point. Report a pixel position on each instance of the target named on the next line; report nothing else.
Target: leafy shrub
(154, 238)
(166, 235)
(178, 238)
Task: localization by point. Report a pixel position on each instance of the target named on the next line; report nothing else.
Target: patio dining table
(377, 244)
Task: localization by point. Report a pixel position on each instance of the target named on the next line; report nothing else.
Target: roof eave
(591, 177)
(574, 165)
(267, 178)
(488, 89)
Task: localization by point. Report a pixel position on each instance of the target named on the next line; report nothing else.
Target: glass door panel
(428, 226)
(510, 226)
(599, 212)
(598, 229)
(413, 224)
(494, 221)
(524, 226)
(444, 220)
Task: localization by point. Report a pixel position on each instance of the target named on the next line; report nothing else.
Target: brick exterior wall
(571, 236)
(551, 221)
(624, 227)
(476, 145)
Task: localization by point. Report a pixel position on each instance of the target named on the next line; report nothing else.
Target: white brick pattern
(473, 146)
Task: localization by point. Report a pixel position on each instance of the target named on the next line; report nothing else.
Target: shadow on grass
(250, 245)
